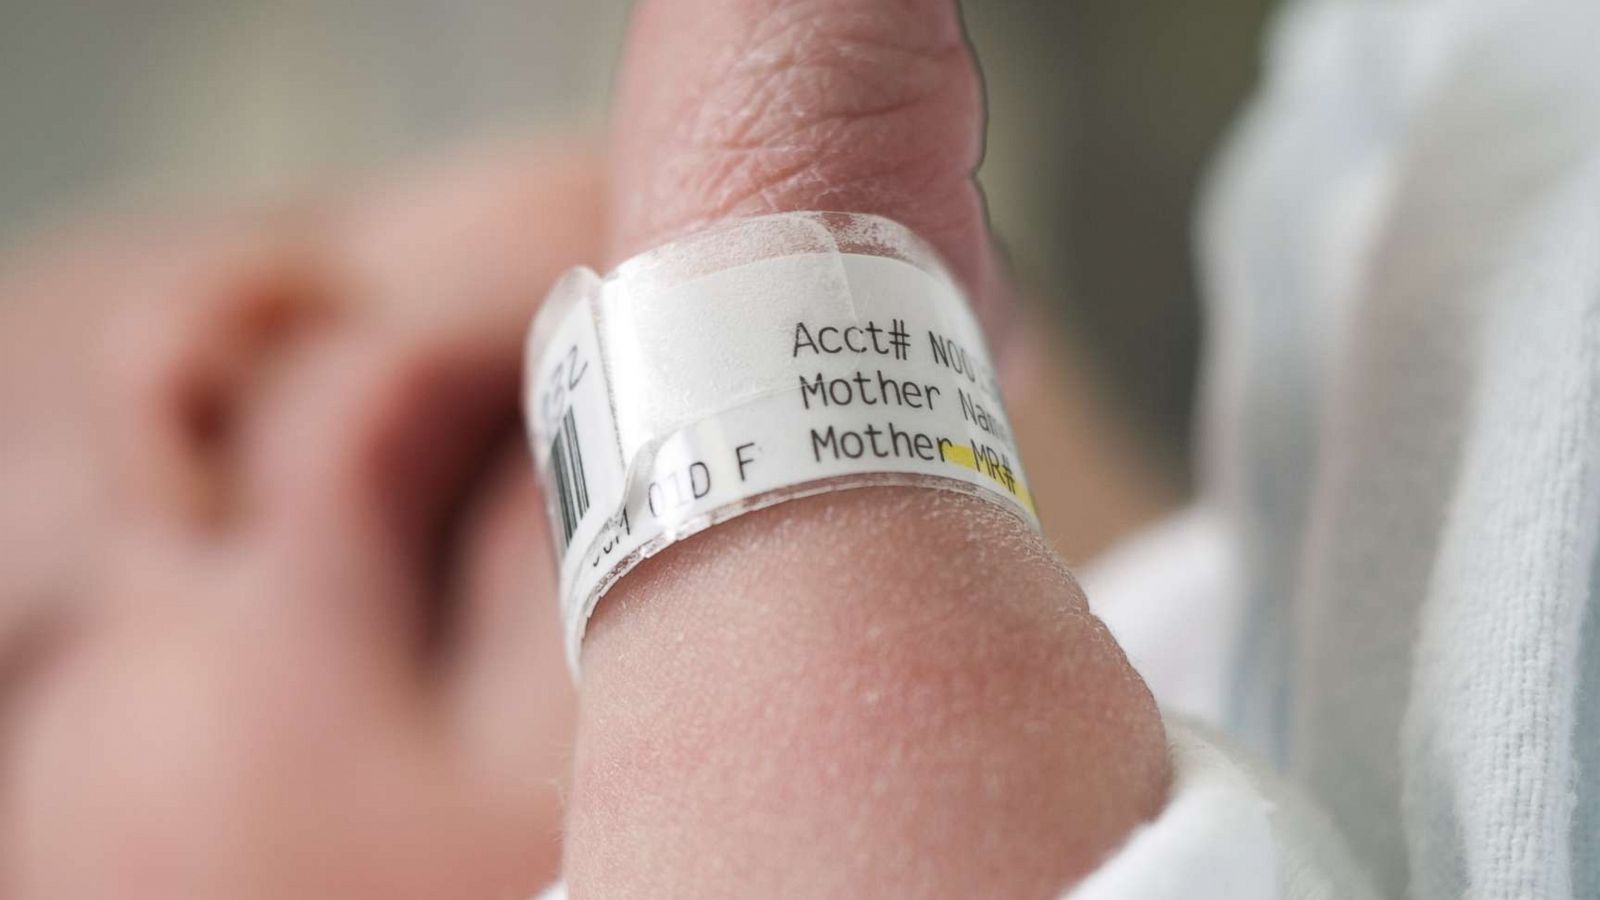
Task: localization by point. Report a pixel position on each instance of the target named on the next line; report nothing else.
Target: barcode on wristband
(572, 485)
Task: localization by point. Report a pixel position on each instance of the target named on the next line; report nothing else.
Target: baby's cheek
(105, 782)
(150, 762)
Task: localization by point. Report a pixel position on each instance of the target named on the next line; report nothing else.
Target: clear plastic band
(760, 361)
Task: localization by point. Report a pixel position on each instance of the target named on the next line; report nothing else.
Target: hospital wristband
(759, 361)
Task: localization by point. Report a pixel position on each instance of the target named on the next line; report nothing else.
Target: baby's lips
(732, 108)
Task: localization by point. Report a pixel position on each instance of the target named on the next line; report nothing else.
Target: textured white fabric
(1402, 252)
(1171, 597)
(1230, 831)
(1403, 257)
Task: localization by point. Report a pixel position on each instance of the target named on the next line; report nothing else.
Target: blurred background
(1102, 116)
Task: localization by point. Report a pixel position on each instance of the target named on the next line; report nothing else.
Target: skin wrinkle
(707, 191)
(814, 31)
(816, 127)
(858, 186)
(815, 88)
(729, 178)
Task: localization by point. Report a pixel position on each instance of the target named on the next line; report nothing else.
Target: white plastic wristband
(760, 361)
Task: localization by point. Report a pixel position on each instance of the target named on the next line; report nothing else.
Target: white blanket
(1403, 261)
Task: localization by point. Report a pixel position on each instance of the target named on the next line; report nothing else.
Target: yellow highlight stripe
(962, 455)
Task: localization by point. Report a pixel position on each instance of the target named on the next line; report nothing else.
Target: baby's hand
(885, 692)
